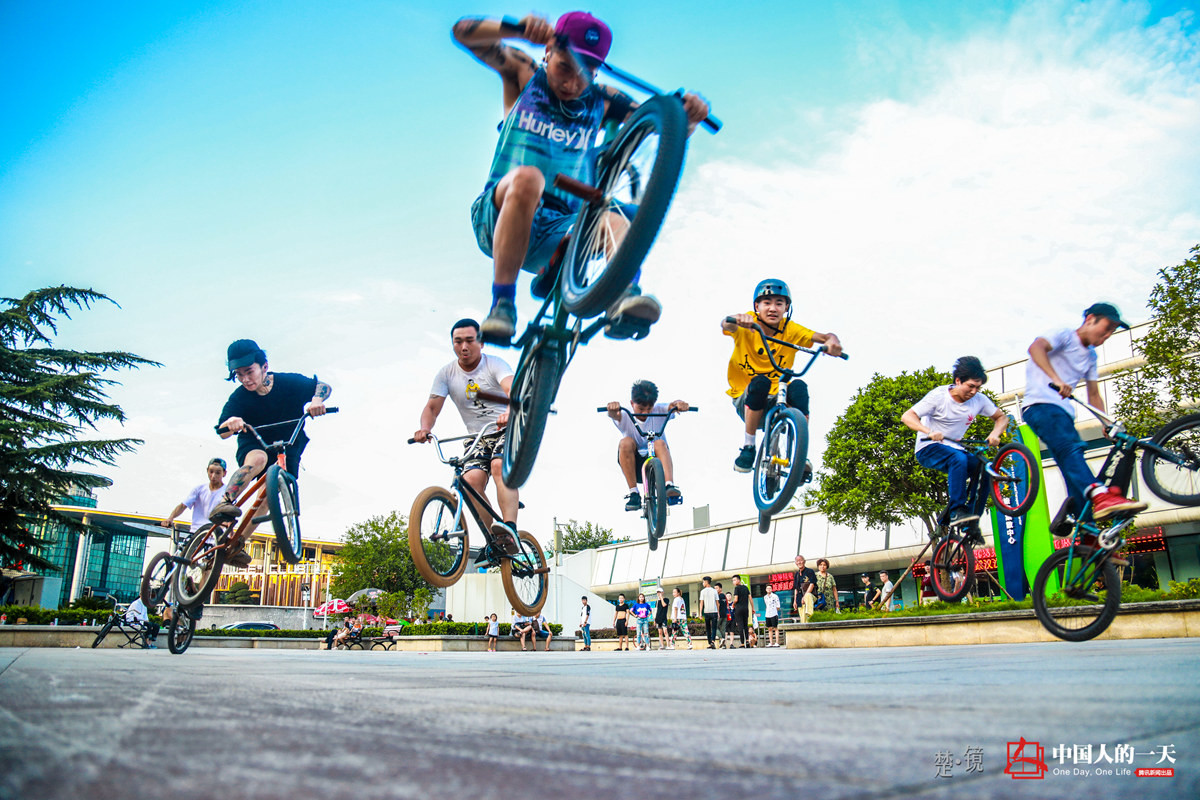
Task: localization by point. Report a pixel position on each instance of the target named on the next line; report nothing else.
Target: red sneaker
(1109, 503)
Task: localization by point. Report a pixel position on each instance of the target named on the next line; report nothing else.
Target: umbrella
(364, 594)
(334, 606)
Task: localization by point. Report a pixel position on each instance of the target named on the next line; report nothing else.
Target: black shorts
(293, 455)
(772, 622)
(622, 627)
(491, 446)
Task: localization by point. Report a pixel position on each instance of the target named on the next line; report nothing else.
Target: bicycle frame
(461, 488)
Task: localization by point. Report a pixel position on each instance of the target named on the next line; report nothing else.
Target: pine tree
(49, 397)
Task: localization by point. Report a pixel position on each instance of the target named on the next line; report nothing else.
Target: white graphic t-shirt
(942, 414)
(463, 389)
(649, 424)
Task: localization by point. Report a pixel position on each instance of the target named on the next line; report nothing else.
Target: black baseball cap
(1108, 311)
(243, 353)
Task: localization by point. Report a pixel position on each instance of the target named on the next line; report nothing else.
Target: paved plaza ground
(853, 723)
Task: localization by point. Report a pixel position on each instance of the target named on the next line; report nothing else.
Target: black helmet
(243, 353)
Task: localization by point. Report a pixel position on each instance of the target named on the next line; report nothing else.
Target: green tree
(49, 396)
(870, 475)
(238, 594)
(375, 555)
(1169, 380)
(401, 605)
(578, 536)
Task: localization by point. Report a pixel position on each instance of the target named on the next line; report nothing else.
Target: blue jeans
(587, 635)
(1056, 428)
(963, 472)
(643, 632)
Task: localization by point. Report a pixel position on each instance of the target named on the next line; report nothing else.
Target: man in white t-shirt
(1063, 358)
(136, 614)
(478, 385)
(202, 499)
(633, 447)
(771, 601)
(887, 598)
(710, 607)
(945, 413)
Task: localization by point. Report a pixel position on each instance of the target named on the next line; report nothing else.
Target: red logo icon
(1026, 761)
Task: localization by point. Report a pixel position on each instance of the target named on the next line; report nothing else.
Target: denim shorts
(549, 227)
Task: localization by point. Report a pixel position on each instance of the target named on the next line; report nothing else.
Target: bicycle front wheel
(108, 624)
(1175, 479)
(437, 537)
(156, 580)
(1074, 598)
(952, 569)
(533, 391)
(655, 509)
(780, 463)
(524, 576)
(180, 632)
(637, 176)
(197, 576)
(1015, 492)
(283, 498)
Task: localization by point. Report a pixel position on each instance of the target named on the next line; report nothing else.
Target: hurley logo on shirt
(573, 140)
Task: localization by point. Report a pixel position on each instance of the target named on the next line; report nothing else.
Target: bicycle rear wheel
(283, 498)
(952, 569)
(637, 176)
(108, 624)
(780, 463)
(437, 537)
(1015, 493)
(197, 576)
(156, 580)
(655, 508)
(1177, 483)
(180, 631)
(533, 390)
(1066, 597)
(524, 576)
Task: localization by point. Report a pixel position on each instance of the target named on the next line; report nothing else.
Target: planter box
(1160, 620)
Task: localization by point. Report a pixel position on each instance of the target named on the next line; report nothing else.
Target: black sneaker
(240, 559)
(674, 496)
(633, 501)
(501, 323)
(808, 473)
(745, 460)
(504, 538)
(632, 314)
(962, 517)
(225, 512)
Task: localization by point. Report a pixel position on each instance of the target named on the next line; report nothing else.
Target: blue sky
(933, 178)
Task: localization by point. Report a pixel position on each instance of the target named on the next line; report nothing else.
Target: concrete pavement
(828, 724)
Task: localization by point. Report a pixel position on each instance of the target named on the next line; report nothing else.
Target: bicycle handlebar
(253, 431)
(784, 371)
(1100, 415)
(604, 410)
(637, 426)
(516, 26)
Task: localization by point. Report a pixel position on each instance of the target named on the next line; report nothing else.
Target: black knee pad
(757, 392)
(797, 396)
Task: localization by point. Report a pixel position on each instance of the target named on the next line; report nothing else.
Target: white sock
(749, 439)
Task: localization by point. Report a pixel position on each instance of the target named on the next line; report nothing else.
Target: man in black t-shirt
(804, 579)
(264, 398)
(741, 616)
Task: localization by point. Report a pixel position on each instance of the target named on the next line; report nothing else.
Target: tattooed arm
(316, 407)
(483, 38)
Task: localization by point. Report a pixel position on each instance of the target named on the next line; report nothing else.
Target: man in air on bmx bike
(753, 382)
(553, 113)
(478, 385)
(264, 398)
(633, 447)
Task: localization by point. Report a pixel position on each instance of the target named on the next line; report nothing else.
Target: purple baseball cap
(588, 36)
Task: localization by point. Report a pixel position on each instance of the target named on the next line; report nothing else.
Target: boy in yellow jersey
(753, 382)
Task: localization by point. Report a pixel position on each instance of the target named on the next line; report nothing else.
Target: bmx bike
(137, 634)
(636, 170)
(1012, 480)
(205, 555)
(654, 480)
(182, 629)
(438, 536)
(1077, 591)
(780, 466)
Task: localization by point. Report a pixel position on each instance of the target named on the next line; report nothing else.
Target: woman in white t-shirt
(679, 621)
(945, 413)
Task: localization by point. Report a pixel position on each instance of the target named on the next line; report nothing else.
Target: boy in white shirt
(945, 413)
